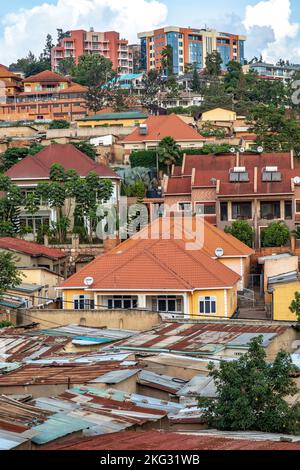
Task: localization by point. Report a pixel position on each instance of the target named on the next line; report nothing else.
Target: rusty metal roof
(200, 338)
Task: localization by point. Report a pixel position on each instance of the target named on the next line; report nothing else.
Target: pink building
(107, 44)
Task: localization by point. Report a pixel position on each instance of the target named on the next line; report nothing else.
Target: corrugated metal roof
(15, 348)
(56, 426)
(115, 376)
(199, 338)
(161, 382)
(198, 386)
(85, 333)
(11, 440)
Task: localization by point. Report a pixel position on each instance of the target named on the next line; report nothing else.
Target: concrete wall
(88, 132)
(138, 320)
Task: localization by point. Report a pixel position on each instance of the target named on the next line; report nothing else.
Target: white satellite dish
(297, 180)
(242, 150)
(232, 150)
(89, 281)
(219, 252)
(260, 149)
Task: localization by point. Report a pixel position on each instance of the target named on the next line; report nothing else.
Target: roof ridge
(188, 253)
(164, 266)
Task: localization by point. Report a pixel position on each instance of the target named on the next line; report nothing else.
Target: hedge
(147, 158)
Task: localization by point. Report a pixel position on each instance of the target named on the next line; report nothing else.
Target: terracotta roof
(165, 126)
(6, 73)
(218, 167)
(39, 165)
(46, 76)
(74, 88)
(164, 263)
(32, 249)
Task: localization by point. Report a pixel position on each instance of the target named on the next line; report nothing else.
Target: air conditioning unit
(271, 169)
(239, 169)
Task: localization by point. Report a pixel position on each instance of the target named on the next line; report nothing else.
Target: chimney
(193, 176)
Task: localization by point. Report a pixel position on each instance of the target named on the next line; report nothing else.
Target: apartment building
(108, 44)
(10, 83)
(269, 71)
(45, 96)
(259, 188)
(190, 46)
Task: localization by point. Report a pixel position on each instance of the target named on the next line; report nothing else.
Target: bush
(59, 124)
(241, 230)
(5, 324)
(275, 235)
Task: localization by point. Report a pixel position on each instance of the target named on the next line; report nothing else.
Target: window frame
(211, 300)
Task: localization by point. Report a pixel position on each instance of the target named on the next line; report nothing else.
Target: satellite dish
(219, 252)
(260, 149)
(89, 281)
(297, 180)
(242, 150)
(232, 150)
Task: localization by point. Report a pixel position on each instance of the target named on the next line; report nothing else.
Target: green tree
(213, 64)
(275, 235)
(168, 152)
(67, 66)
(59, 124)
(151, 87)
(9, 273)
(196, 82)
(10, 203)
(87, 148)
(251, 393)
(241, 230)
(167, 60)
(295, 308)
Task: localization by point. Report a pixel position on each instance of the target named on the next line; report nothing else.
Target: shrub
(241, 230)
(275, 235)
(59, 124)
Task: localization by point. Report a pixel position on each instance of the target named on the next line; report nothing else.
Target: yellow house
(125, 119)
(219, 115)
(157, 270)
(282, 292)
(38, 288)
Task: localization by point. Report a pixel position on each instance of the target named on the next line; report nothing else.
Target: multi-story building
(108, 44)
(273, 72)
(259, 188)
(190, 46)
(10, 83)
(46, 96)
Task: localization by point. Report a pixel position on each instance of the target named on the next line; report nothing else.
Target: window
(270, 210)
(208, 305)
(185, 206)
(167, 304)
(288, 211)
(298, 207)
(239, 177)
(241, 210)
(205, 208)
(224, 211)
(269, 176)
(125, 302)
(83, 302)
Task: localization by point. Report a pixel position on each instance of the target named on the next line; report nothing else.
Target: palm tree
(168, 152)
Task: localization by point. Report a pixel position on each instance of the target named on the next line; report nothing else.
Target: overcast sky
(272, 26)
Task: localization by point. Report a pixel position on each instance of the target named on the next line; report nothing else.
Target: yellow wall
(282, 298)
(219, 114)
(42, 277)
(226, 302)
(111, 122)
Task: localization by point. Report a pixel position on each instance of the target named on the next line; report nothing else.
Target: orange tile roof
(164, 264)
(160, 127)
(46, 76)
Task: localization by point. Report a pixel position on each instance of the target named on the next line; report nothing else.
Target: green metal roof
(115, 116)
